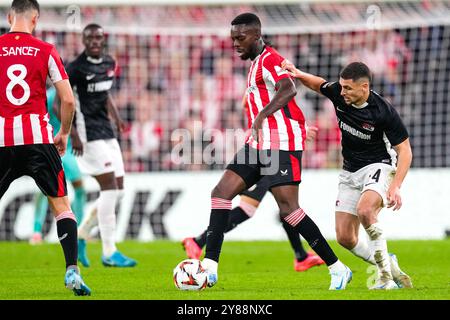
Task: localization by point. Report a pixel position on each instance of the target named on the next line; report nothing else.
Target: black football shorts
(276, 167)
(39, 161)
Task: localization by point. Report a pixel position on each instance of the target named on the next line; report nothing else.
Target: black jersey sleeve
(394, 127)
(73, 74)
(332, 90)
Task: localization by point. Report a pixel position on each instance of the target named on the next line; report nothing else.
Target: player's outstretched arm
(309, 80)
(404, 154)
(285, 92)
(65, 95)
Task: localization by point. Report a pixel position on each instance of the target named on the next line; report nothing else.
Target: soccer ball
(190, 275)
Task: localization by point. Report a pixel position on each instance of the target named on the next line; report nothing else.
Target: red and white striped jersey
(25, 63)
(285, 128)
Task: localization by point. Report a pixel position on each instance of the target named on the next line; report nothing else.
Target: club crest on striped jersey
(280, 71)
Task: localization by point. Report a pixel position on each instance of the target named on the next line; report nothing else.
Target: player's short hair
(21, 6)
(247, 18)
(92, 26)
(356, 71)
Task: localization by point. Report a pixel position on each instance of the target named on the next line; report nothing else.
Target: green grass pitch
(258, 270)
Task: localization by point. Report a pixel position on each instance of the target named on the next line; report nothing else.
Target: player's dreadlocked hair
(356, 71)
(21, 6)
(246, 18)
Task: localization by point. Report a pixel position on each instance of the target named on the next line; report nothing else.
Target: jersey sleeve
(56, 70)
(331, 90)
(72, 74)
(395, 129)
(272, 64)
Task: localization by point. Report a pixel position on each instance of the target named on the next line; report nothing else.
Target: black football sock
(294, 239)
(220, 209)
(309, 230)
(237, 216)
(66, 227)
(201, 239)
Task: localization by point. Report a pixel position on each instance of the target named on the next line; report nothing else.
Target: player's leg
(244, 211)
(284, 187)
(369, 206)
(347, 230)
(230, 185)
(303, 260)
(375, 180)
(117, 259)
(45, 167)
(40, 212)
(66, 225)
(249, 202)
(239, 175)
(73, 174)
(287, 199)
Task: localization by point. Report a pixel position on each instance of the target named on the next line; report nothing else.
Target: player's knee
(365, 214)
(346, 240)
(220, 192)
(287, 207)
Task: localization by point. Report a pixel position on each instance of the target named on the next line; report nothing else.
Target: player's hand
(394, 198)
(60, 142)
(120, 125)
(77, 145)
(311, 133)
(290, 67)
(257, 128)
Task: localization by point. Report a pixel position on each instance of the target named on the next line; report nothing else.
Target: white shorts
(376, 177)
(100, 157)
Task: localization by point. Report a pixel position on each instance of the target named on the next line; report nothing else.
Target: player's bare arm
(309, 80)
(404, 162)
(285, 92)
(114, 113)
(65, 95)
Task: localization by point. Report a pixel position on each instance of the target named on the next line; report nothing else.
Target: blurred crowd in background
(195, 81)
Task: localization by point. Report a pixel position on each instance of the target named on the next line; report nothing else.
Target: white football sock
(89, 222)
(107, 220)
(210, 265)
(336, 267)
(379, 246)
(363, 251)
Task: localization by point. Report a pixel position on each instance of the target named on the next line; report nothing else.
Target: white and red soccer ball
(190, 275)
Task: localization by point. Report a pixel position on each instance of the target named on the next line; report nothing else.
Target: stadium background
(178, 78)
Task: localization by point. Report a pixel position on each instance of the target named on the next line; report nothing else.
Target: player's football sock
(379, 245)
(89, 222)
(363, 251)
(107, 220)
(201, 239)
(309, 230)
(66, 227)
(78, 203)
(41, 206)
(238, 215)
(296, 243)
(211, 268)
(220, 208)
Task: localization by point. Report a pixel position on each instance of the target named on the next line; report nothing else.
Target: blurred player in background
(71, 171)
(273, 151)
(93, 140)
(377, 156)
(249, 202)
(27, 146)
